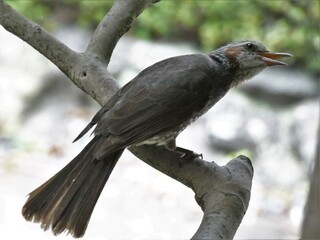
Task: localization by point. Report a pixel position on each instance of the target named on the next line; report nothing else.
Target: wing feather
(156, 103)
(159, 99)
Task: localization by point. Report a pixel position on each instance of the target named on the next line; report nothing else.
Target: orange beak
(271, 58)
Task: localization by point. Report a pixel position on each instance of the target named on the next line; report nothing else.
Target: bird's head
(246, 59)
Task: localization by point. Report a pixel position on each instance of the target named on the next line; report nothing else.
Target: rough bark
(223, 192)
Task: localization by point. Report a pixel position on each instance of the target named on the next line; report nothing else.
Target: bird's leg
(186, 155)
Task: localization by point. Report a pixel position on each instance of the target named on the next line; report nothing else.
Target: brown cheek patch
(232, 52)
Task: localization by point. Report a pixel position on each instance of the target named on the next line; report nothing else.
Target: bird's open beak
(271, 58)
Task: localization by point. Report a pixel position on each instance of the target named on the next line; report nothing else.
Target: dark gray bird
(153, 108)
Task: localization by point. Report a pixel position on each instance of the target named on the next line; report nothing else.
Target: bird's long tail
(66, 201)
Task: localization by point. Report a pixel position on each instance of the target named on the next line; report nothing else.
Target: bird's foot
(186, 154)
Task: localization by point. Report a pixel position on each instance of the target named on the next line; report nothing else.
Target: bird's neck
(230, 71)
(220, 58)
(226, 69)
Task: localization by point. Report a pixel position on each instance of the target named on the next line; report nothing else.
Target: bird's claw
(191, 155)
(186, 154)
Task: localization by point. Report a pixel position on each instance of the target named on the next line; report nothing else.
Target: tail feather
(66, 201)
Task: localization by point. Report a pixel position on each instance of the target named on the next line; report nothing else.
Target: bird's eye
(250, 46)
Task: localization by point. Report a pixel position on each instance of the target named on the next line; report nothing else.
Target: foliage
(284, 25)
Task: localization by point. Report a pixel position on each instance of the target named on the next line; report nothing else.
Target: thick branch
(223, 192)
(89, 73)
(58, 53)
(224, 197)
(114, 25)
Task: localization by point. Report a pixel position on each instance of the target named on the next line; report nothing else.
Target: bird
(153, 108)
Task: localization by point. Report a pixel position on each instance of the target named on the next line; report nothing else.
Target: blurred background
(273, 118)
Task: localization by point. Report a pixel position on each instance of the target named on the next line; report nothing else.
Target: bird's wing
(99, 115)
(156, 101)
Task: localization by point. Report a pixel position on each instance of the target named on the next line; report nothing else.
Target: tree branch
(224, 198)
(58, 53)
(114, 25)
(223, 193)
(86, 71)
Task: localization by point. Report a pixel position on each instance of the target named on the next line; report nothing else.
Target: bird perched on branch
(153, 108)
